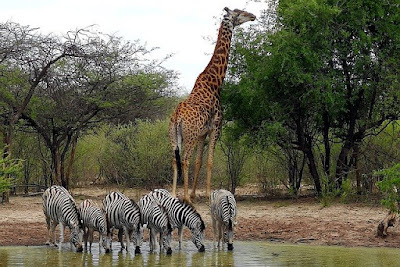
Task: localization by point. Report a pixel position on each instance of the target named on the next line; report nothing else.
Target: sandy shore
(296, 221)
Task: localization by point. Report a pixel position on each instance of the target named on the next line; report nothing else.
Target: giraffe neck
(215, 71)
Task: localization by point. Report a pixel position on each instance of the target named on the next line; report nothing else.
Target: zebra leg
(151, 242)
(220, 233)
(180, 232)
(62, 227)
(120, 236)
(126, 231)
(53, 232)
(100, 241)
(48, 231)
(85, 237)
(160, 242)
(90, 237)
(214, 225)
(110, 236)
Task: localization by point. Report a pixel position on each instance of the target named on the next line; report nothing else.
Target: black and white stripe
(223, 215)
(94, 219)
(157, 221)
(124, 214)
(59, 208)
(181, 214)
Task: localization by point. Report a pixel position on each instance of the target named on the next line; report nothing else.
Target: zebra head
(104, 231)
(167, 237)
(198, 235)
(228, 233)
(138, 238)
(76, 235)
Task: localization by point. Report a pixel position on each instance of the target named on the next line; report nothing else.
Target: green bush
(11, 169)
(390, 186)
(138, 154)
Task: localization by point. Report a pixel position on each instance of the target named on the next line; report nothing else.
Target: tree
(10, 171)
(236, 152)
(26, 56)
(62, 86)
(390, 186)
(110, 84)
(138, 154)
(327, 73)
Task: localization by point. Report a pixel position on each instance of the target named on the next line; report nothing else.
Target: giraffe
(200, 115)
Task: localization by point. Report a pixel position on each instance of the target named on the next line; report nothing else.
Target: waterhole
(244, 254)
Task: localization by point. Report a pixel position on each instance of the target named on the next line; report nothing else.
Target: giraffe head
(238, 17)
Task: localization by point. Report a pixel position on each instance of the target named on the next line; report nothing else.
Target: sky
(174, 26)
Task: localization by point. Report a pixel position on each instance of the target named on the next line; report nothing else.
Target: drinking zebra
(94, 219)
(223, 215)
(59, 208)
(182, 214)
(123, 214)
(156, 218)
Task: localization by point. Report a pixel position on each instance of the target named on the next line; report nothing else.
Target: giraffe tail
(178, 163)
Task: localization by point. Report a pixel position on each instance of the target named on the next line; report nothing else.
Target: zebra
(181, 213)
(157, 221)
(123, 214)
(93, 218)
(59, 208)
(223, 216)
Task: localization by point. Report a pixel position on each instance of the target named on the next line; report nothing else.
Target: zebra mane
(80, 222)
(186, 203)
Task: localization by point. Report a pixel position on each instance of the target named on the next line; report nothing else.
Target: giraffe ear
(227, 10)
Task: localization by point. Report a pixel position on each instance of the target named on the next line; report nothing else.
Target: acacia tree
(327, 73)
(26, 56)
(78, 93)
(61, 86)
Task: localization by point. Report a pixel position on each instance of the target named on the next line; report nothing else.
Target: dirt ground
(301, 220)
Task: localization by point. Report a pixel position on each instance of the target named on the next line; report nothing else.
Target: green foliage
(325, 65)
(390, 186)
(138, 155)
(10, 171)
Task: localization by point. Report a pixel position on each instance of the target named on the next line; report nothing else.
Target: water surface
(244, 254)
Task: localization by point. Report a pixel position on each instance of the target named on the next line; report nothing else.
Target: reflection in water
(245, 254)
(220, 258)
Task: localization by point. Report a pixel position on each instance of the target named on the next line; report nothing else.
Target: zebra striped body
(94, 219)
(223, 215)
(181, 214)
(59, 208)
(123, 214)
(157, 221)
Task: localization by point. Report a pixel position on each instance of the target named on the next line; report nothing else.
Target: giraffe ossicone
(200, 115)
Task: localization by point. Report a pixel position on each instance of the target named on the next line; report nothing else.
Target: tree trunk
(342, 167)
(56, 165)
(325, 133)
(313, 171)
(70, 161)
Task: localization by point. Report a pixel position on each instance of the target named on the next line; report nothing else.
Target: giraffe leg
(197, 166)
(185, 169)
(211, 146)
